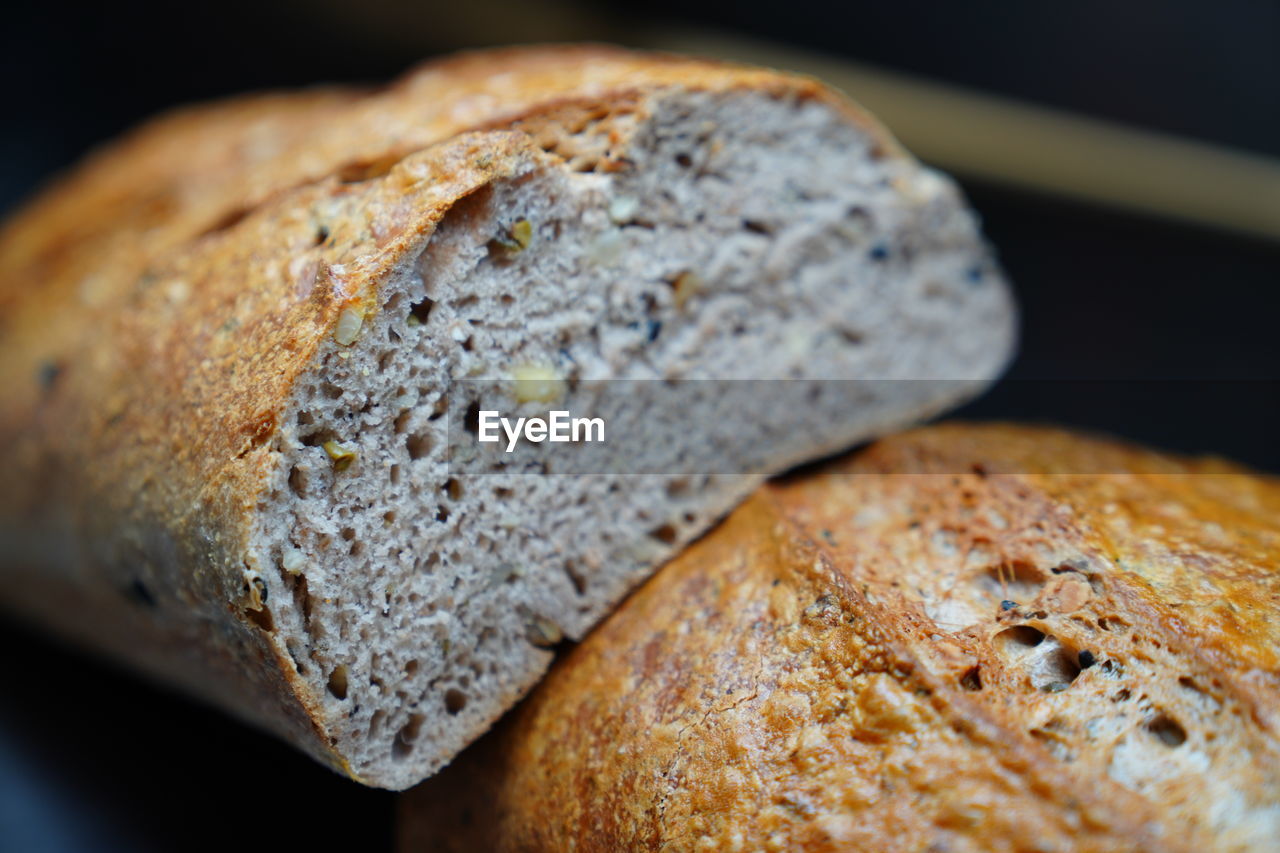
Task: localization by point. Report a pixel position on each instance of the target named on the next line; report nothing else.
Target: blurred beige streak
(972, 134)
(1031, 147)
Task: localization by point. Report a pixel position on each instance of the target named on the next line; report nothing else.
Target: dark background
(1162, 333)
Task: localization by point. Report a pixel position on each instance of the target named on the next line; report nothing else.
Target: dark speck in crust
(48, 374)
(137, 592)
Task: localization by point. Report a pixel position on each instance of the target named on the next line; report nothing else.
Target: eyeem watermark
(696, 427)
(559, 425)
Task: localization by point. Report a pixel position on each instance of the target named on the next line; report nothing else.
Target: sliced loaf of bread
(234, 342)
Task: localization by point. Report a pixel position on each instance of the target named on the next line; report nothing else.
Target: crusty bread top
(1199, 537)
(962, 638)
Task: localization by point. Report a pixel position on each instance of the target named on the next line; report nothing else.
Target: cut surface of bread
(237, 339)
(963, 638)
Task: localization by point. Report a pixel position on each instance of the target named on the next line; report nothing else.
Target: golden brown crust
(157, 304)
(833, 669)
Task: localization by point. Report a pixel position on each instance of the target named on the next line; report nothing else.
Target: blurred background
(1123, 156)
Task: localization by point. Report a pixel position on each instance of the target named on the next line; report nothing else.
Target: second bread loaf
(964, 638)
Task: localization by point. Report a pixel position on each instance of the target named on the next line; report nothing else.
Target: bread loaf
(964, 638)
(232, 344)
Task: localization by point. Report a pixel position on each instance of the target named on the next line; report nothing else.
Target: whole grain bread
(231, 345)
(964, 638)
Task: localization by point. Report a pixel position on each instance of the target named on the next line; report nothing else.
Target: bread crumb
(543, 632)
(537, 383)
(686, 285)
(342, 456)
(292, 561)
(623, 209)
(350, 319)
